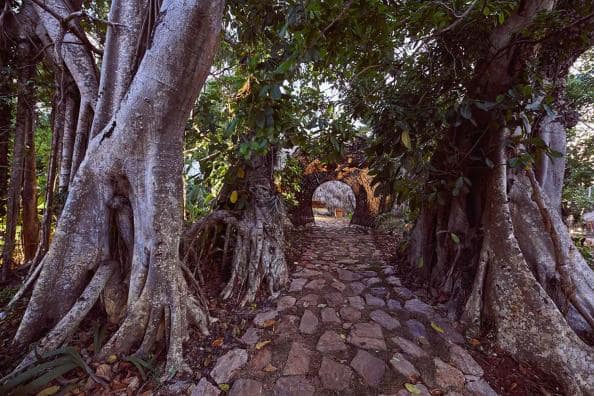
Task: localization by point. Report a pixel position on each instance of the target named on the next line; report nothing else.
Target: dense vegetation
(139, 138)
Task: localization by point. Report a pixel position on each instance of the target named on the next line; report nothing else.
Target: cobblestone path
(347, 326)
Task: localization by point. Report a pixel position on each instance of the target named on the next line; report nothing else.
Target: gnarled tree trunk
(129, 183)
(259, 253)
(502, 237)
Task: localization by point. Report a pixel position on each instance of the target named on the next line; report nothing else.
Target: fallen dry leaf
(133, 384)
(218, 342)
(50, 390)
(270, 368)
(104, 371)
(262, 344)
(268, 323)
(474, 342)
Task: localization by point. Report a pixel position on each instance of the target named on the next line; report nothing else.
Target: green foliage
(390, 223)
(50, 366)
(6, 294)
(586, 251)
(579, 171)
(288, 181)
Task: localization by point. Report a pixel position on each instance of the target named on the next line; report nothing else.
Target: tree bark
(120, 56)
(259, 254)
(498, 252)
(29, 218)
(367, 205)
(23, 128)
(6, 91)
(70, 115)
(81, 65)
(130, 181)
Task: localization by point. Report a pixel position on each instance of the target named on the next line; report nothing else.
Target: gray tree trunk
(259, 255)
(530, 282)
(81, 65)
(132, 173)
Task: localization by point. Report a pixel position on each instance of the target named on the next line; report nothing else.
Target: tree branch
(66, 25)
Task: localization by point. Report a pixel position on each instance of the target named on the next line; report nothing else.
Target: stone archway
(351, 172)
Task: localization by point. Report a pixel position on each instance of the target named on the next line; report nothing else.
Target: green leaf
(140, 365)
(285, 66)
(437, 328)
(36, 385)
(98, 337)
(405, 138)
(554, 154)
(224, 387)
(33, 372)
(501, 18)
(412, 389)
(244, 149)
(231, 126)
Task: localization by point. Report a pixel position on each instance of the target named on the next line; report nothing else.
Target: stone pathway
(346, 325)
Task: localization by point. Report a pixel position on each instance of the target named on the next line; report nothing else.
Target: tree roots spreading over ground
(502, 238)
(256, 235)
(120, 230)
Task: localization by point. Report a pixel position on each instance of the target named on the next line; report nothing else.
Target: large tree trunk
(259, 254)
(525, 322)
(5, 126)
(29, 218)
(502, 237)
(302, 214)
(23, 128)
(130, 182)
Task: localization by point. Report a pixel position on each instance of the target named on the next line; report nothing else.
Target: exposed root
(471, 316)
(70, 322)
(256, 236)
(526, 322)
(562, 261)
